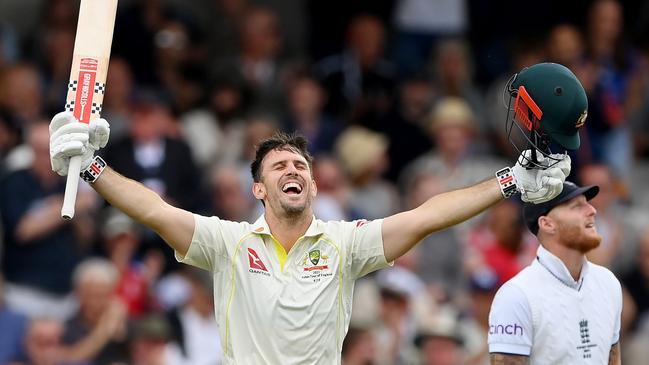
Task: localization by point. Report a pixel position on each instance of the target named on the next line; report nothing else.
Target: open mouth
(590, 225)
(292, 188)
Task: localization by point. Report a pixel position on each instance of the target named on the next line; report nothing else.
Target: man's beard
(574, 237)
(292, 210)
(295, 210)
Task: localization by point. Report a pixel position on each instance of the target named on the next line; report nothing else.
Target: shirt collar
(558, 269)
(261, 227)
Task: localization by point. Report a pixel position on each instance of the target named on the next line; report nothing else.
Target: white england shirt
(545, 314)
(274, 307)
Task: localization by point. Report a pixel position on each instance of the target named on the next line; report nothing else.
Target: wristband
(506, 181)
(92, 172)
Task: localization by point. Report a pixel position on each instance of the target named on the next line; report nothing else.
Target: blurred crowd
(400, 99)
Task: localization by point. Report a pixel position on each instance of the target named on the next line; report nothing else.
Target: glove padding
(70, 138)
(537, 184)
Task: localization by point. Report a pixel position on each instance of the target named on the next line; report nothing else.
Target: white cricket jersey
(274, 307)
(544, 313)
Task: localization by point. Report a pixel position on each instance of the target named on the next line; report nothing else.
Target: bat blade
(88, 78)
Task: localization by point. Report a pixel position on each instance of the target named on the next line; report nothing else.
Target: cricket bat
(88, 78)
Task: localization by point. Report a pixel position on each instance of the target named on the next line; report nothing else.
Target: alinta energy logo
(255, 264)
(586, 345)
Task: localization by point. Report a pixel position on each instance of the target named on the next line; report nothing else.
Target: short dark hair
(280, 141)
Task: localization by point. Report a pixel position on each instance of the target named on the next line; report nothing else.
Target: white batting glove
(538, 185)
(70, 138)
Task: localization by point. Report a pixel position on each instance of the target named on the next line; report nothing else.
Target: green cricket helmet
(549, 106)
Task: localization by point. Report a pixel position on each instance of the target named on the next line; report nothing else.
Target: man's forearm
(614, 357)
(453, 207)
(402, 231)
(508, 359)
(129, 196)
(174, 225)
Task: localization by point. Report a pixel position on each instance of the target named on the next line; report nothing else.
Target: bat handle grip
(71, 186)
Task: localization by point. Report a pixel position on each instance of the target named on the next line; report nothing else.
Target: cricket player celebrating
(284, 283)
(561, 309)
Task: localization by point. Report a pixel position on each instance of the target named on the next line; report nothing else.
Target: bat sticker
(85, 89)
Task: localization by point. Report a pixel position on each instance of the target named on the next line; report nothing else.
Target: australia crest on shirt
(315, 265)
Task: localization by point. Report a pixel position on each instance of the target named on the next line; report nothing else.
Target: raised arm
(402, 231)
(69, 138)
(174, 225)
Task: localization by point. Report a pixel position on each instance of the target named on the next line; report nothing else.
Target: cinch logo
(505, 329)
(255, 261)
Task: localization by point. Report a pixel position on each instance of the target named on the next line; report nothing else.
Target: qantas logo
(255, 261)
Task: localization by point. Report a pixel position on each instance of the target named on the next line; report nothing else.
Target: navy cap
(532, 212)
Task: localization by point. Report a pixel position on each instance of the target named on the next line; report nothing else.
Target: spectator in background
(453, 76)
(305, 115)
(359, 81)
(152, 156)
(565, 45)
(150, 341)
(98, 332)
(501, 246)
(54, 49)
(136, 24)
(363, 155)
(222, 27)
(258, 128)
(122, 240)
(405, 124)
(58, 47)
(332, 201)
(636, 281)
(59, 14)
(401, 293)
(440, 341)
(13, 327)
(636, 285)
(259, 64)
(9, 50)
(475, 324)
(452, 127)
(118, 97)
(639, 122)
(420, 24)
(359, 347)
(40, 249)
(10, 138)
(215, 132)
(180, 58)
(612, 87)
(43, 344)
(193, 326)
(21, 93)
(616, 250)
(228, 197)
